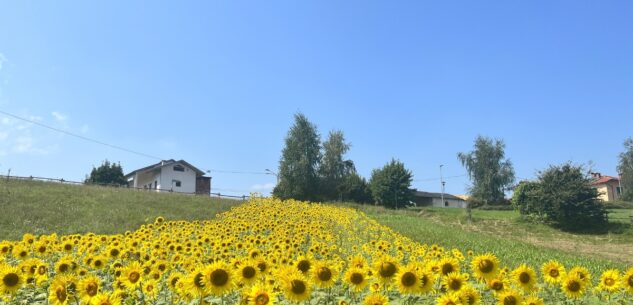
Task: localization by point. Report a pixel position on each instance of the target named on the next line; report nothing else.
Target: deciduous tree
(490, 173)
(298, 167)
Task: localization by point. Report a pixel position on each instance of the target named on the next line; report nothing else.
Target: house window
(618, 190)
(176, 183)
(179, 168)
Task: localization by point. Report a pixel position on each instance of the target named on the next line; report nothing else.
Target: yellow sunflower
(485, 266)
(610, 281)
(131, 275)
(295, 286)
(57, 292)
(324, 274)
(447, 265)
(375, 299)
(524, 277)
(385, 269)
(427, 280)
(356, 278)
(582, 273)
(454, 282)
(573, 285)
(498, 284)
(194, 283)
(627, 281)
(150, 289)
(533, 300)
(11, 279)
(509, 297)
(88, 288)
(553, 272)
(106, 299)
(408, 280)
(469, 296)
(218, 279)
(448, 299)
(261, 295)
(247, 272)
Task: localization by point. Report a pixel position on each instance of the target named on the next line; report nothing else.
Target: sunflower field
(269, 251)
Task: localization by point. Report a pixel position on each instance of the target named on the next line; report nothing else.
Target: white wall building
(172, 176)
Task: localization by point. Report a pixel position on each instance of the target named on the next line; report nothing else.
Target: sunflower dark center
(455, 284)
(60, 293)
(63, 267)
(447, 268)
(356, 278)
(134, 277)
(262, 299)
(573, 286)
(98, 263)
(324, 274)
(609, 281)
(114, 252)
(219, 277)
(303, 266)
(248, 272)
(174, 281)
(11, 279)
(262, 266)
(41, 270)
(497, 285)
(387, 269)
(524, 277)
(630, 281)
(554, 273)
(298, 286)
(408, 279)
(92, 289)
(68, 247)
(486, 266)
(197, 280)
(510, 300)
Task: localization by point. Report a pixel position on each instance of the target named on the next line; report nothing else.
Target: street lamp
(269, 172)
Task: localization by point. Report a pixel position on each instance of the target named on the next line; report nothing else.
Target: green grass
(503, 233)
(46, 207)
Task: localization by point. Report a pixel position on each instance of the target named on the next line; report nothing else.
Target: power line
(117, 146)
(81, 137)
(437, 179)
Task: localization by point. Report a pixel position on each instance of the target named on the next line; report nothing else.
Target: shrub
(562, 197)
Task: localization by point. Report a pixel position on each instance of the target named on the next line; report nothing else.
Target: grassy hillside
(44, 208)
(514, 241)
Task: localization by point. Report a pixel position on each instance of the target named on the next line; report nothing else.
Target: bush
(562, 197)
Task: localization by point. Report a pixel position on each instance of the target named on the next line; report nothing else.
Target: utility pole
(442, 182)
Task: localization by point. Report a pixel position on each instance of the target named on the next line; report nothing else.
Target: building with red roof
(608, 187)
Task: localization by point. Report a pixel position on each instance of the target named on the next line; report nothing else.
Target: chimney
(596, 175)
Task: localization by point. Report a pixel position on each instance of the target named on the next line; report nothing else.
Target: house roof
(604, 179)
(165, 163)
(436, 195)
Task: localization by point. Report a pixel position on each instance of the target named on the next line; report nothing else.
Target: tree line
(315, 171)
(562, 195)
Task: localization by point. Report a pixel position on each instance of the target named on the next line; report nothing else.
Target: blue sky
(217, 83)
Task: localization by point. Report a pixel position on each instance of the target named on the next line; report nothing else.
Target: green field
(513, 240)
(46, 207)
(43, 208)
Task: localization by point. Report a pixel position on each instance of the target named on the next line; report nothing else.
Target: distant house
(435, 200)
(170, 176)
(608, 187)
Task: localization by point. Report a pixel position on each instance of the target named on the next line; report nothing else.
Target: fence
(63, 181)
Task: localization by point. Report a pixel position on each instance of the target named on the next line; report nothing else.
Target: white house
(435, 200)
(171, 176)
